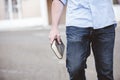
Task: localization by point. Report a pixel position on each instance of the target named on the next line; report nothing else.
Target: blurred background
(25, 52)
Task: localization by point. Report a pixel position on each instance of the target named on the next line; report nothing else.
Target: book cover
(58, 49)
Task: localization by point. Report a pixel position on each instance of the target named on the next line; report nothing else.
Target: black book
(58, 49)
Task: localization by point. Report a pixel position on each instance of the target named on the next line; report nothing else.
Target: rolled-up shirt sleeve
(64, 2)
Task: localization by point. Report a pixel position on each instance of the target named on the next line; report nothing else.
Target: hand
(54, 34)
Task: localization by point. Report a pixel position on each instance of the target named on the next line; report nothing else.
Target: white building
(27, 13)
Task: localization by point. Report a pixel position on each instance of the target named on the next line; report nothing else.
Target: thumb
(59, 39)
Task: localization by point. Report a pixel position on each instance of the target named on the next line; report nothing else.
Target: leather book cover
(58, 49)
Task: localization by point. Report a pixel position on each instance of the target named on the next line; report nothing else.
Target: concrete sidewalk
(26, 55)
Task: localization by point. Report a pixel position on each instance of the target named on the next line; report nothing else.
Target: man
(89, 24)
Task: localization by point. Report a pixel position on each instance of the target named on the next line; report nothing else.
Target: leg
(78, 49)
(103, 44)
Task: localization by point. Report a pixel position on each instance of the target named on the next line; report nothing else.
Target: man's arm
(57, 9)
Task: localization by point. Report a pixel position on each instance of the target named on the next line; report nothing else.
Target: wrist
(54, 27)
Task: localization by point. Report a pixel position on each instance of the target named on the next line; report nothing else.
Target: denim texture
(80, 41)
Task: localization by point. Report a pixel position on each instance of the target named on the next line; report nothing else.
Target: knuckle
(58, 35)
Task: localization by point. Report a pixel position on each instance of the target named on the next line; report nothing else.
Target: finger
(59, 39)
(51, 40)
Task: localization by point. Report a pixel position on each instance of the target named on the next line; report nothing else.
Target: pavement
(26, 55)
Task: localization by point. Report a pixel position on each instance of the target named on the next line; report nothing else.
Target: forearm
(57, 9)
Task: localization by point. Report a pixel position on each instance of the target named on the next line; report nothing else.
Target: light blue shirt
(89, 13)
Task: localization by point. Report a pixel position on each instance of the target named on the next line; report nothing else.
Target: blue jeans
(79, 43)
